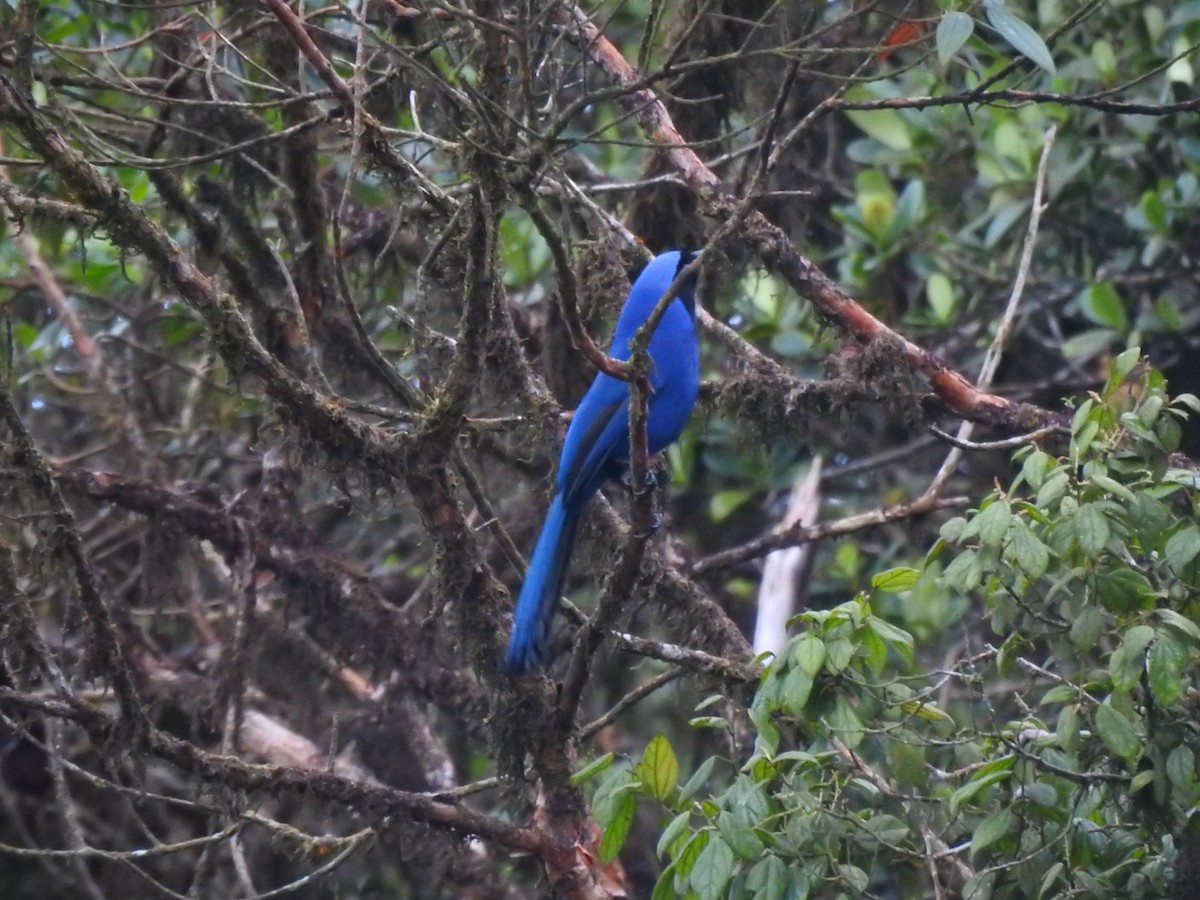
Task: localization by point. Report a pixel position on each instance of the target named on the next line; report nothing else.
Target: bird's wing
(598, 437)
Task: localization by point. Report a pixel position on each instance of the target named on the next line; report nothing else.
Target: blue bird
(597, 445)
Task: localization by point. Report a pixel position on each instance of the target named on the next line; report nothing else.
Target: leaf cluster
(1059, 762)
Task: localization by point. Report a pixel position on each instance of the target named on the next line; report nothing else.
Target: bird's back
(600, 428)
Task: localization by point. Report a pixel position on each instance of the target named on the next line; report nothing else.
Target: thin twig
(991, 360)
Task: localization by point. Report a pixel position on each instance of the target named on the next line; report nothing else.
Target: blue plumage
(597, 444)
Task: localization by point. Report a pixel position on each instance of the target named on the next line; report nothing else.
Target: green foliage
(1019, 34)
(1059, 763)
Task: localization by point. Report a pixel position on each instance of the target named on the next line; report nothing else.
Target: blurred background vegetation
(287, 523)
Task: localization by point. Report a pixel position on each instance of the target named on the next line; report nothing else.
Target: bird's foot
(652, 526)
(652, 479)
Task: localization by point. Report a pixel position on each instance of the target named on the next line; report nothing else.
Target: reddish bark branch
(775, 250)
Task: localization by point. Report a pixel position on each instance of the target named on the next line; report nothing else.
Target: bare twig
(991, 360)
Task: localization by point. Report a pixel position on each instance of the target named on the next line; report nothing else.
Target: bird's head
(661, 273)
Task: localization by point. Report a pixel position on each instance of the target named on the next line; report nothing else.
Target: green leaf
(923, 709)
(659, 769)
(1039, 794)
(873, 649)
(978, 783)
(797, 687)
(1125, 590)
(665, 888)
(896, 580)
(1191, 401)
(1168, 658)
(809, 654)
(965, 572)
(797, 756)
(979, 886)
(854, 876)
(953, 529)
(1151, 519)
(1011, 143)
(1036, 467)
(994, 523)
(1180, 623)
(618, 825)
(1156, 22)
(725, 503)
(991, 829)
(897, 637)
(909, 209)
(1028, 552)
(876, 201)
(1117, 732)
(1052, 489)
(1021, 36)
(1009, 652)
(1168, 432)
(838, 654)
(1066, 729)
(1003, 220)
(1149, 411)
(616, 782)
(954, 29)
(698, 780)
(1181, 71)
(713, 869)
(1060, 693)
(768, 734)
(769, 879)
(844, 722)
(1086, 344)
(1101, 303)
(595, 767)
(1127, 663)
(885, 125)
(739, 834)
(1104, 58)
(1123, 365)
(940, 294)
(908, 762)
(1167, 311)
(1181, 766)
(1091, 528)
(1086, 628)
(675, 828)
(882, 829)
(1182, 548)
(687, 859)
(1141, 780)
(1082, 441)
(1112, 486)
(1048, 880)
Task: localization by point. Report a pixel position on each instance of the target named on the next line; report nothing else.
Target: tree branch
(774, 247)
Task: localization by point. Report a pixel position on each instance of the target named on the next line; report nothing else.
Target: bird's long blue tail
(542, 587)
